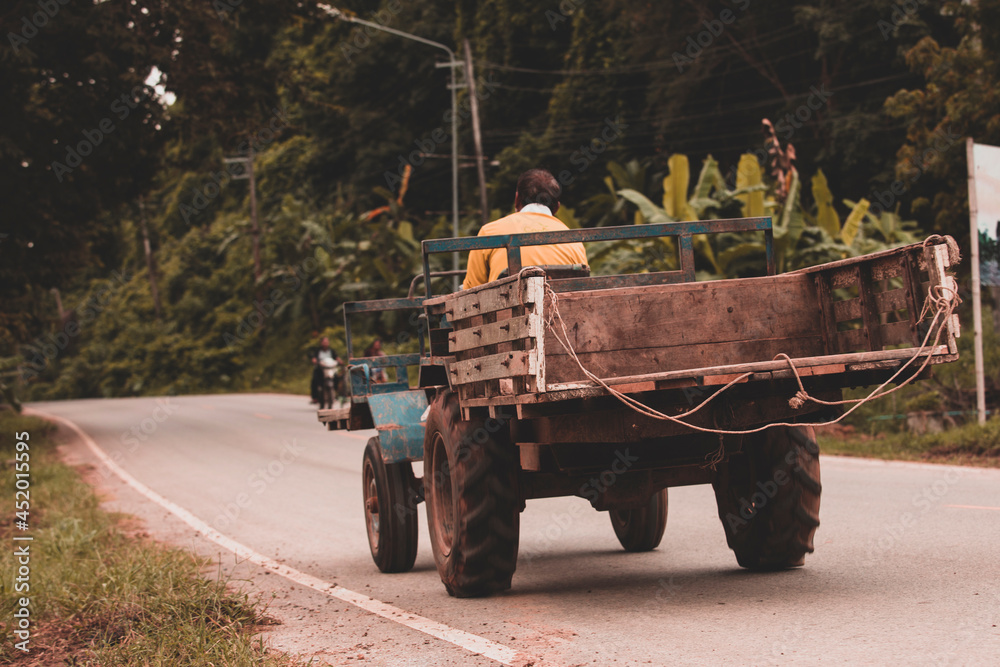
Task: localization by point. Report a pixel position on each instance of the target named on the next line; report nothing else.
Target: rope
(942, 300)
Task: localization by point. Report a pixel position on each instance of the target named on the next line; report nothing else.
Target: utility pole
(150, 260)
(477, 136)
(977, 308)
(255, 228)
(248, 174)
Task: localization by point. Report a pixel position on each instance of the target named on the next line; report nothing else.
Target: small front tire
(390, 520)
(641, 529)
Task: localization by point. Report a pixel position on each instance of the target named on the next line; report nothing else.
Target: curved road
(906, 569)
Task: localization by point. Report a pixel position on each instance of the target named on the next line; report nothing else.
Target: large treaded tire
(390, 521)
(473, 508)
(641, 529)
(768, 498)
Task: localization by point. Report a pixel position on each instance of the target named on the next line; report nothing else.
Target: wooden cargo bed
(859, 314)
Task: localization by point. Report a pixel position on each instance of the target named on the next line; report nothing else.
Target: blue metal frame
(684, 230)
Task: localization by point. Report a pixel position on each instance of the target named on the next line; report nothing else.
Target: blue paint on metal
(361, 380)
(398, 360)
(397, 418)
(685, 230)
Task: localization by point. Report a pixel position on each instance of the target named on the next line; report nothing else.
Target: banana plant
(748, 178)
(826, 215)
(887, 229)
(709, 199)
(607, 208)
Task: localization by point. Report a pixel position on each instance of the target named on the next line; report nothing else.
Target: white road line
(466, 640)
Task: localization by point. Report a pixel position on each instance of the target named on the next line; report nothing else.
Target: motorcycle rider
(324, 351)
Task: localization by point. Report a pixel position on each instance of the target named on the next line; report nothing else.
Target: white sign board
(986, 160)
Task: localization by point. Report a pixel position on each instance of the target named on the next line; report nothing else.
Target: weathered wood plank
(497, 297)
(689, 314)
(444, 299)
(620, 363)
(843, 277)
(897, 333)
(503, 365)
(847, 310)
(852, 340)
(885, 302)
(914, 294)
(869, 309)
(873, 257)
(828, 320)
(824, 364)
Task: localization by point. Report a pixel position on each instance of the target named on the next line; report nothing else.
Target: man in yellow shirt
(536, 201)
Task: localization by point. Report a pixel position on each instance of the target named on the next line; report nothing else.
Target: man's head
(325, 343)
(537, 186)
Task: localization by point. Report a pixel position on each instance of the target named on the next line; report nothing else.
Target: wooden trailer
(615, 388)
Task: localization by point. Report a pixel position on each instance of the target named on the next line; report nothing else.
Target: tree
(960, 98)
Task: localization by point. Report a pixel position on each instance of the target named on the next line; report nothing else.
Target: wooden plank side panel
(560, 367)
(725, 311)
(505, 294)
(852, 340)
(502, 365)
(914, 294)
(828, 320)
(885, 302)
(897, 333)
(869, 310)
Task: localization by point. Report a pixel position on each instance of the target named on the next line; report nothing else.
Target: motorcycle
(333, 383)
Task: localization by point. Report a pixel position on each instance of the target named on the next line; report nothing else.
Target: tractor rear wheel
(768, 498)
(473, 507)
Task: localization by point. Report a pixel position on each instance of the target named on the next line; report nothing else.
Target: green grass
(968, 445)
(102, 596)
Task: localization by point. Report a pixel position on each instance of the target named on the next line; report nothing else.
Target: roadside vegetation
(970, 444)
(102, 593)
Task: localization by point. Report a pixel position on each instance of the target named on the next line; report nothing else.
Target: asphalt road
(906, 569)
